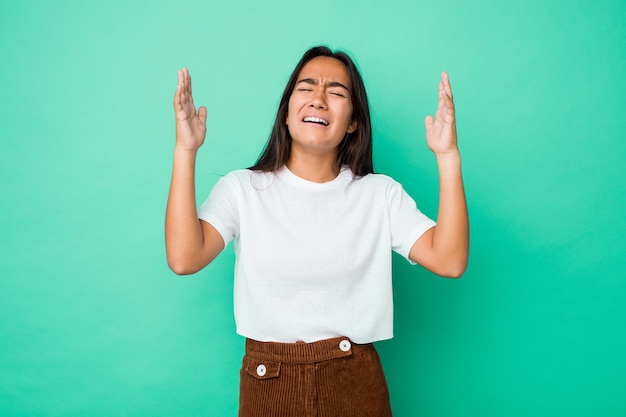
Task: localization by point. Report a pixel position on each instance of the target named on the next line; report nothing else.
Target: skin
(444, 249)
(191, 244)
(322, 90)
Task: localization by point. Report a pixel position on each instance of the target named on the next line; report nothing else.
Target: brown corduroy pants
(332, 377)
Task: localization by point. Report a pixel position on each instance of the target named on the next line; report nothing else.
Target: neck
(315, 168)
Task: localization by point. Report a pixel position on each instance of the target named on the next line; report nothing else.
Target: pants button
(345, 345)
(261, 370)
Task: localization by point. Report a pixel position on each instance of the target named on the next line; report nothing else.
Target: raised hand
(190, 243)
(190, 124)
(441, 130)
(444, 248)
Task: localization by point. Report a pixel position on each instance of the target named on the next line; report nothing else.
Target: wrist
(448, 157)
(449, 165)
(180, 149)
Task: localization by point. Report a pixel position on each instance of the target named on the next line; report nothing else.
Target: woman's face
(320, 108)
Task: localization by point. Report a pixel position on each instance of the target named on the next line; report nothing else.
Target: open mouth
(316, 120)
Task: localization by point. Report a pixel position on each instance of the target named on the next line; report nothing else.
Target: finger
(177, 103)
(180, 77)
(188, 80)
(445, 81)
(190, 95)
(428, 122)
(179, 89)
(443, 95)
(185, 82)
(181, 86)
(202, 114)
(188, 85)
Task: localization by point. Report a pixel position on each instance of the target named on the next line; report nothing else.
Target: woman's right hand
(190, 124)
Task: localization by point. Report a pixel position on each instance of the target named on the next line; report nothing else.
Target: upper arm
(422, 251)
(212, 243)
(437, 258)
(189, 257)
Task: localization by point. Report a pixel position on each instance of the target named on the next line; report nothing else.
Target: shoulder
(378, 179)
(381, 188)
(246, 179)
(376, 182)
(238, 175)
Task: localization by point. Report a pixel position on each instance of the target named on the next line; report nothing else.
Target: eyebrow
(330, 83)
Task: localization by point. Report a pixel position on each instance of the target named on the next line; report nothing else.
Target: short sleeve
(221, 208)
(407, 222)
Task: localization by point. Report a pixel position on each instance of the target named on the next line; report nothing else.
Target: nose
(318, 100)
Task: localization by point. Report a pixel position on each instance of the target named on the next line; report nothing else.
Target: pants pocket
(259, 385)
(259, 368)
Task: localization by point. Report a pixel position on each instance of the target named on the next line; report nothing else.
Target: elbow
(454, 265)
(180, 266)
(453, 270)
(181, 269)
(454, 273)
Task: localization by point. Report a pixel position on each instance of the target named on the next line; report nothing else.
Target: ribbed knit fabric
(328, 378)
(313, 259)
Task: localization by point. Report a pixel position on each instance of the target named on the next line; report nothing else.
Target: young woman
(313, 229)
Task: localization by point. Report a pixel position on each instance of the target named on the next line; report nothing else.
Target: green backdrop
(93, 323)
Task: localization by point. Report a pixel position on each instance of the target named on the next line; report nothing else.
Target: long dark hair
(355, 150)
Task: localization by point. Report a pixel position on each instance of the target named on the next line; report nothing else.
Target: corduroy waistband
(301, 352)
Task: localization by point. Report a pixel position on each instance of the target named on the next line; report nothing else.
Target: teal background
(93, 323)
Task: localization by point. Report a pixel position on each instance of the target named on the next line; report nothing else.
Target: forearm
(451, 235)
(183, 232)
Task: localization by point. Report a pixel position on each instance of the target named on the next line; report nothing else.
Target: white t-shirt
(313, 260)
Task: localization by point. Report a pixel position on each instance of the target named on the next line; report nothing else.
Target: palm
(441, 130)
(190, 124)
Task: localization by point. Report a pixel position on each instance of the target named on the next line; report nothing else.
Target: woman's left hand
(441, 130)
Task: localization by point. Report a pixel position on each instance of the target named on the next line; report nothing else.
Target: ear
(352, 126)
